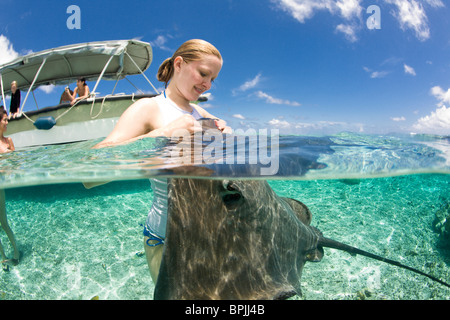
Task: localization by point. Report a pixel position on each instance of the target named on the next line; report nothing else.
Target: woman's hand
(185, 122)
(222, 126)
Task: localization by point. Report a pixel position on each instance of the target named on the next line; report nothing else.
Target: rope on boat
(27, 117)
(49, 122)
(101, 106)
(62, 114)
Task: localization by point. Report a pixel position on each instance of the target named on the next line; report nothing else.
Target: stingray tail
(329, 243)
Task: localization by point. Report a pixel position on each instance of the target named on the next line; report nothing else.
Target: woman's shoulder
(146, 103)
(145, 109)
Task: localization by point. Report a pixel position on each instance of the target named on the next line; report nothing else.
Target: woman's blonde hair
(191, 50)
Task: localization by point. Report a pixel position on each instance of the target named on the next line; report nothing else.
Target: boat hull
(90, 119)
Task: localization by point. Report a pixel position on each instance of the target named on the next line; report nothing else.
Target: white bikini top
(157, 217)
(170, 111)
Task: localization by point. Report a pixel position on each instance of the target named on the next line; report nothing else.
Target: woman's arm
(134, 122)
(86, 93)
(70, 95)
(143, 120)
(84, 96)
(11, 144)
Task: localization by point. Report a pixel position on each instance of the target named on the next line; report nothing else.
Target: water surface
(379, 193)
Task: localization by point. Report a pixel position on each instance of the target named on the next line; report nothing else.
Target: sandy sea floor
(80, 244)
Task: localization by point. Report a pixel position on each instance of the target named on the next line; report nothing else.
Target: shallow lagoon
(78, 243)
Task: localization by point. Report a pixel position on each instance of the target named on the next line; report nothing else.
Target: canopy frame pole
(3, 92)
(134, 85)
(101, 75)
(35, 100)
(32, 84)
(141, 72)
(114, 89)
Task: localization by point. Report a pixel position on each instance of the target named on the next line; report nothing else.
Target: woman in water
(6, 145)
(187, 74)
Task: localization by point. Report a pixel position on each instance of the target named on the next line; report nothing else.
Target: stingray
(237, 239)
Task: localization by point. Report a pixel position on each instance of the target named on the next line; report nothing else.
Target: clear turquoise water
(78, 243)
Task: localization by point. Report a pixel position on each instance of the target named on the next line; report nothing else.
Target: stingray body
(238, 240)
(233, 240)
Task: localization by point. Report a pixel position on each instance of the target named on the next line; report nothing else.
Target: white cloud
(441, 95)
(379, 74)
(207, 95)
(411, 15)
(349, 10)
(279, 123)
(435, 3)
(376, 74)
(397, 119)
(7, 52)
(238, 116)
(302, 10)
(253, 83)
(349, 32)
(48, 89)
(409, 70)
(250, 84)
(320, 127)
(438, 122)
(160, 42)
(272, 100)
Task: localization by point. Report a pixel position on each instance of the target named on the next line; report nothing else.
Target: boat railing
(91, 97)
(66, 105)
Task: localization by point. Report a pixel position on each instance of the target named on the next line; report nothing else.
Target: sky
(299, 66)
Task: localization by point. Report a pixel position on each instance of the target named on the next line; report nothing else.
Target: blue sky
(301, 66)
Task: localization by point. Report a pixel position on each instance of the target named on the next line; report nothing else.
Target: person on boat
(6, 145)
(81, 89)
(66, 96)
(14, 107)
(187, 74)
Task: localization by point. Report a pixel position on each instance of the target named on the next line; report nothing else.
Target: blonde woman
(14, 107)
(189, 73)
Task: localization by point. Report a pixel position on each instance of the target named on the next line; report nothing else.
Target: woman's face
(4, 123)
(196, 77)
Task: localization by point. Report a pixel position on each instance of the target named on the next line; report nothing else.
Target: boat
(91, 118)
